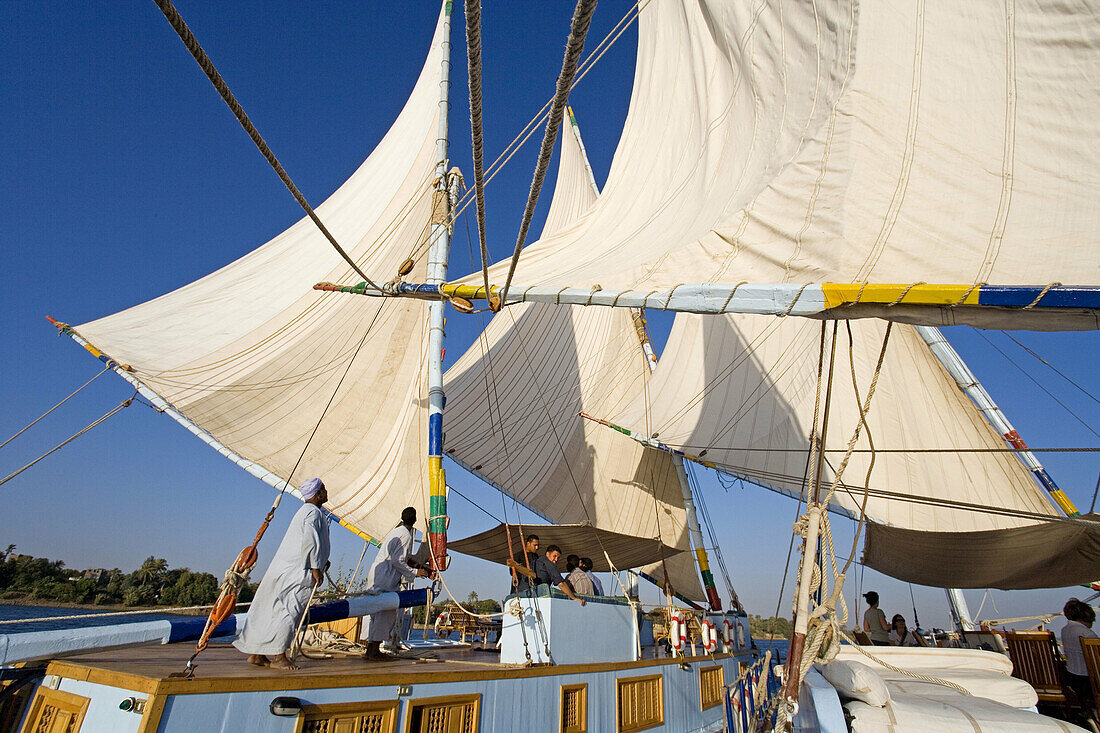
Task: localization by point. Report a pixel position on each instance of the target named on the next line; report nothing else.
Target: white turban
(310, 488)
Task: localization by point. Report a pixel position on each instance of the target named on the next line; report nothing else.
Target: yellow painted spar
(837, 294)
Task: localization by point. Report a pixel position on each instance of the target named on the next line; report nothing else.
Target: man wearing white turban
(296, 567)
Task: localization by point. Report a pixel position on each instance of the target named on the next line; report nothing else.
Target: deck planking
(222, 668)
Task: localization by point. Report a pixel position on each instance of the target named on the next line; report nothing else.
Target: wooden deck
(221, 668)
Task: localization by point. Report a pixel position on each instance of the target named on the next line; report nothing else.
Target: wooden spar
(802, 606)
(438, 255)
(584, 153)
(1059, 308)
(968, 383)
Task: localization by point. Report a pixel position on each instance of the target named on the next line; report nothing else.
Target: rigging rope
(236, 576)
(473, 53)
(824, 624)
(59, 404)
(582, 19)
(529, 129)
(1052, 367)
(64, 443)
(1036, 383)
(204, 62)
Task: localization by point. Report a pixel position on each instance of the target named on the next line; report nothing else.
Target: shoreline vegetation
(36, 581)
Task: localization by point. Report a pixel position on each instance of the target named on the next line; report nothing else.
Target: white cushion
(961, 714)
(855, 680)
(990, 685)
(916, 658)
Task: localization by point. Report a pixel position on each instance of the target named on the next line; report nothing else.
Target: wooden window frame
(443, 700)
(76, 704)
(619, 683)
(390, 707)
(703, 704)
(583, 689)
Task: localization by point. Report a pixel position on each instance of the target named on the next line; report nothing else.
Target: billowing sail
(886, 142)
(747, 404)
(741, 392)
(513, 401)
(252, 354)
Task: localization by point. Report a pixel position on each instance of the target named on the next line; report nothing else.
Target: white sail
(886, 142)
(513, 401)
(741, 390)
(252, 355)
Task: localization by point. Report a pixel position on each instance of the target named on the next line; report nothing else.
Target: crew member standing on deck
(390, 567)
(296, 567)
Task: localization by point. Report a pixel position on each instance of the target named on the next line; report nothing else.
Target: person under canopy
(578, 579)
(597, 585)
(546, 571)
(390, 567)
(296, 568)
(523, 573)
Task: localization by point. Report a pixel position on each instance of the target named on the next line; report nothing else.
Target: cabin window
(54, 711)
(639, 703)
(452, 714)
(711, 682)
(349, 717)
(574, 708)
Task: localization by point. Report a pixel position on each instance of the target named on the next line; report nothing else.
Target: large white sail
(886, 142)
(513, 401)
(252, 354)
(742, 389)
(946, 506)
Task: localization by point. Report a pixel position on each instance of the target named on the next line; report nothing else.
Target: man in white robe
(389, 569)
(296, 567)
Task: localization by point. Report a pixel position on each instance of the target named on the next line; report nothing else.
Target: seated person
(520, 580)
(578, 579)
(586, 566)
(900, 635)
(546, 571)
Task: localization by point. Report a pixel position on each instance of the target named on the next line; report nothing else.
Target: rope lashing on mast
(582, 19)
(59, 446)
(204, 62)
(59, 404)
(473, 53)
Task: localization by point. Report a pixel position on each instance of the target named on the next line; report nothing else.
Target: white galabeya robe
(390, 567)
(283, 593)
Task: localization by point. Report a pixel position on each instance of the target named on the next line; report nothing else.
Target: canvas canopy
(1045, 555)
(583, 540)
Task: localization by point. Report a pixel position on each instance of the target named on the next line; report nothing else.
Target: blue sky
(125, 177)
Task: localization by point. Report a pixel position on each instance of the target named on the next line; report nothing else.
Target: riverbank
(105, 608)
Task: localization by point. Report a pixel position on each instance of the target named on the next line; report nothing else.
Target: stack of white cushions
(879, 699)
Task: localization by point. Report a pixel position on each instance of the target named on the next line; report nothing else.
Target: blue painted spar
(32, 645)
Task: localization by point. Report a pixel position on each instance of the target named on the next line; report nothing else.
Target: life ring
(710, 636)
(444, 618)
(727, 632)
(677, 632)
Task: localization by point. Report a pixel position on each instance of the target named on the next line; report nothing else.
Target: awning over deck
(625, 551)
(1045, 555)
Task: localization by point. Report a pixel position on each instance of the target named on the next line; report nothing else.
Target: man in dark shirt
(520, 581)
(546, 571)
